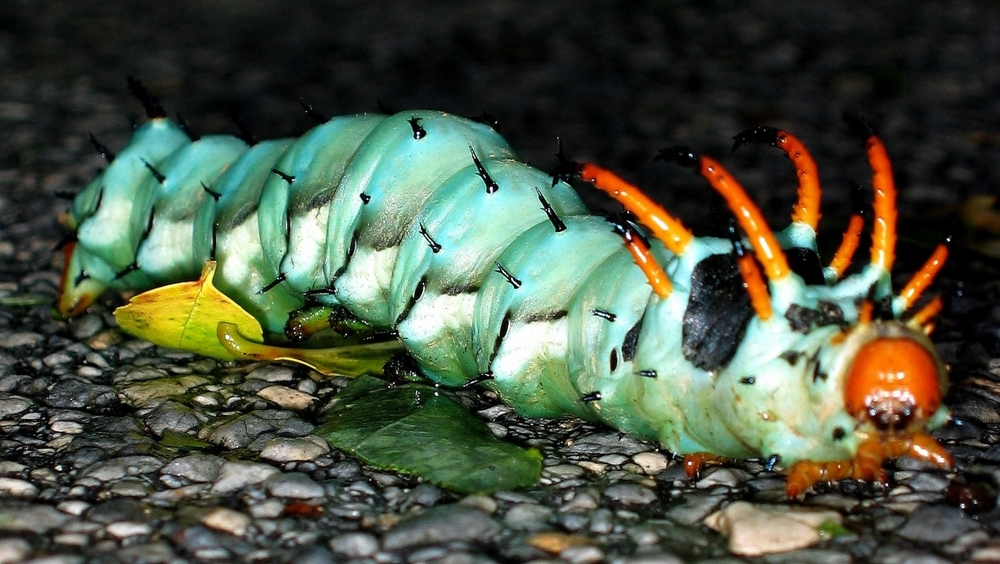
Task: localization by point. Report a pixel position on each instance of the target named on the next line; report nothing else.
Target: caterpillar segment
(490, 272)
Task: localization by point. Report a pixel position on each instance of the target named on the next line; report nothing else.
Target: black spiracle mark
(748, 380)
(365, 198)
(791, 357)
(501, 335)
(418, 293)
(647, 373)
(591, 397)
(630, 341)
(613, 361)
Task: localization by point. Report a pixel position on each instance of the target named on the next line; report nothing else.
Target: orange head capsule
(894, 382)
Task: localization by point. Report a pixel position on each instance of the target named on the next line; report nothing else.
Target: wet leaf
(416, 429)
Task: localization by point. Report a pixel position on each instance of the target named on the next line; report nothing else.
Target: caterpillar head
(894, 379)
(891, 377)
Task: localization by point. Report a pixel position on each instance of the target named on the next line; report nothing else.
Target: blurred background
(616, 80)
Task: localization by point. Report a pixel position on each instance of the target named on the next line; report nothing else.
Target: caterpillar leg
(867, 465)
(693, 463)
(306, 322)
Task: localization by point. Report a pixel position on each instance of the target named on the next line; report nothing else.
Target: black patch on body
(805, 263)
(804, 319)
(717, 313)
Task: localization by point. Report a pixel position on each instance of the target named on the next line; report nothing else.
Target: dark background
(615, 80)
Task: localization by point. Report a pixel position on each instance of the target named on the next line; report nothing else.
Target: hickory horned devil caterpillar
(494, 273)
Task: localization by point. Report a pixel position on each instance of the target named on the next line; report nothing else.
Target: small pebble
(287, 397)
(267, 509)
(17, 339)
(582, 555)
(195, 467)
(295, 485)
(37, 519)
(226, 520)
(236, 475)
(125, 529)
(528, 517)
(441, 524)
(69, 427)
(354, 545)
(272, 373)
(13, 550)
(937, 524)
(630, 494)
(652, 463)
(13, 487)
(756, 530)
(285, 449)
(13, 405)
(556, 542)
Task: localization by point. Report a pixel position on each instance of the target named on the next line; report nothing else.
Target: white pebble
(757, 529)
(125, 529)
(13, 487)
(235, 475)
(227, 520)
(284, 449)
(652, 463)
(13, 550)
(287, 397)
(68, 427)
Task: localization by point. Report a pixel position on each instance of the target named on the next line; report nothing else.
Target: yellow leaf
(349, 360)
(186, 316)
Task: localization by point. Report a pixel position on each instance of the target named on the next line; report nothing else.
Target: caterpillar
(494, 273)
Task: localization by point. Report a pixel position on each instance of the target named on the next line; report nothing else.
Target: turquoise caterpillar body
(490, 271)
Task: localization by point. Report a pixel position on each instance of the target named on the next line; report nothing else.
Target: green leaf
(415, 429)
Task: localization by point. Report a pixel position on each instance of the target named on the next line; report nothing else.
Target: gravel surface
(112, 449)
